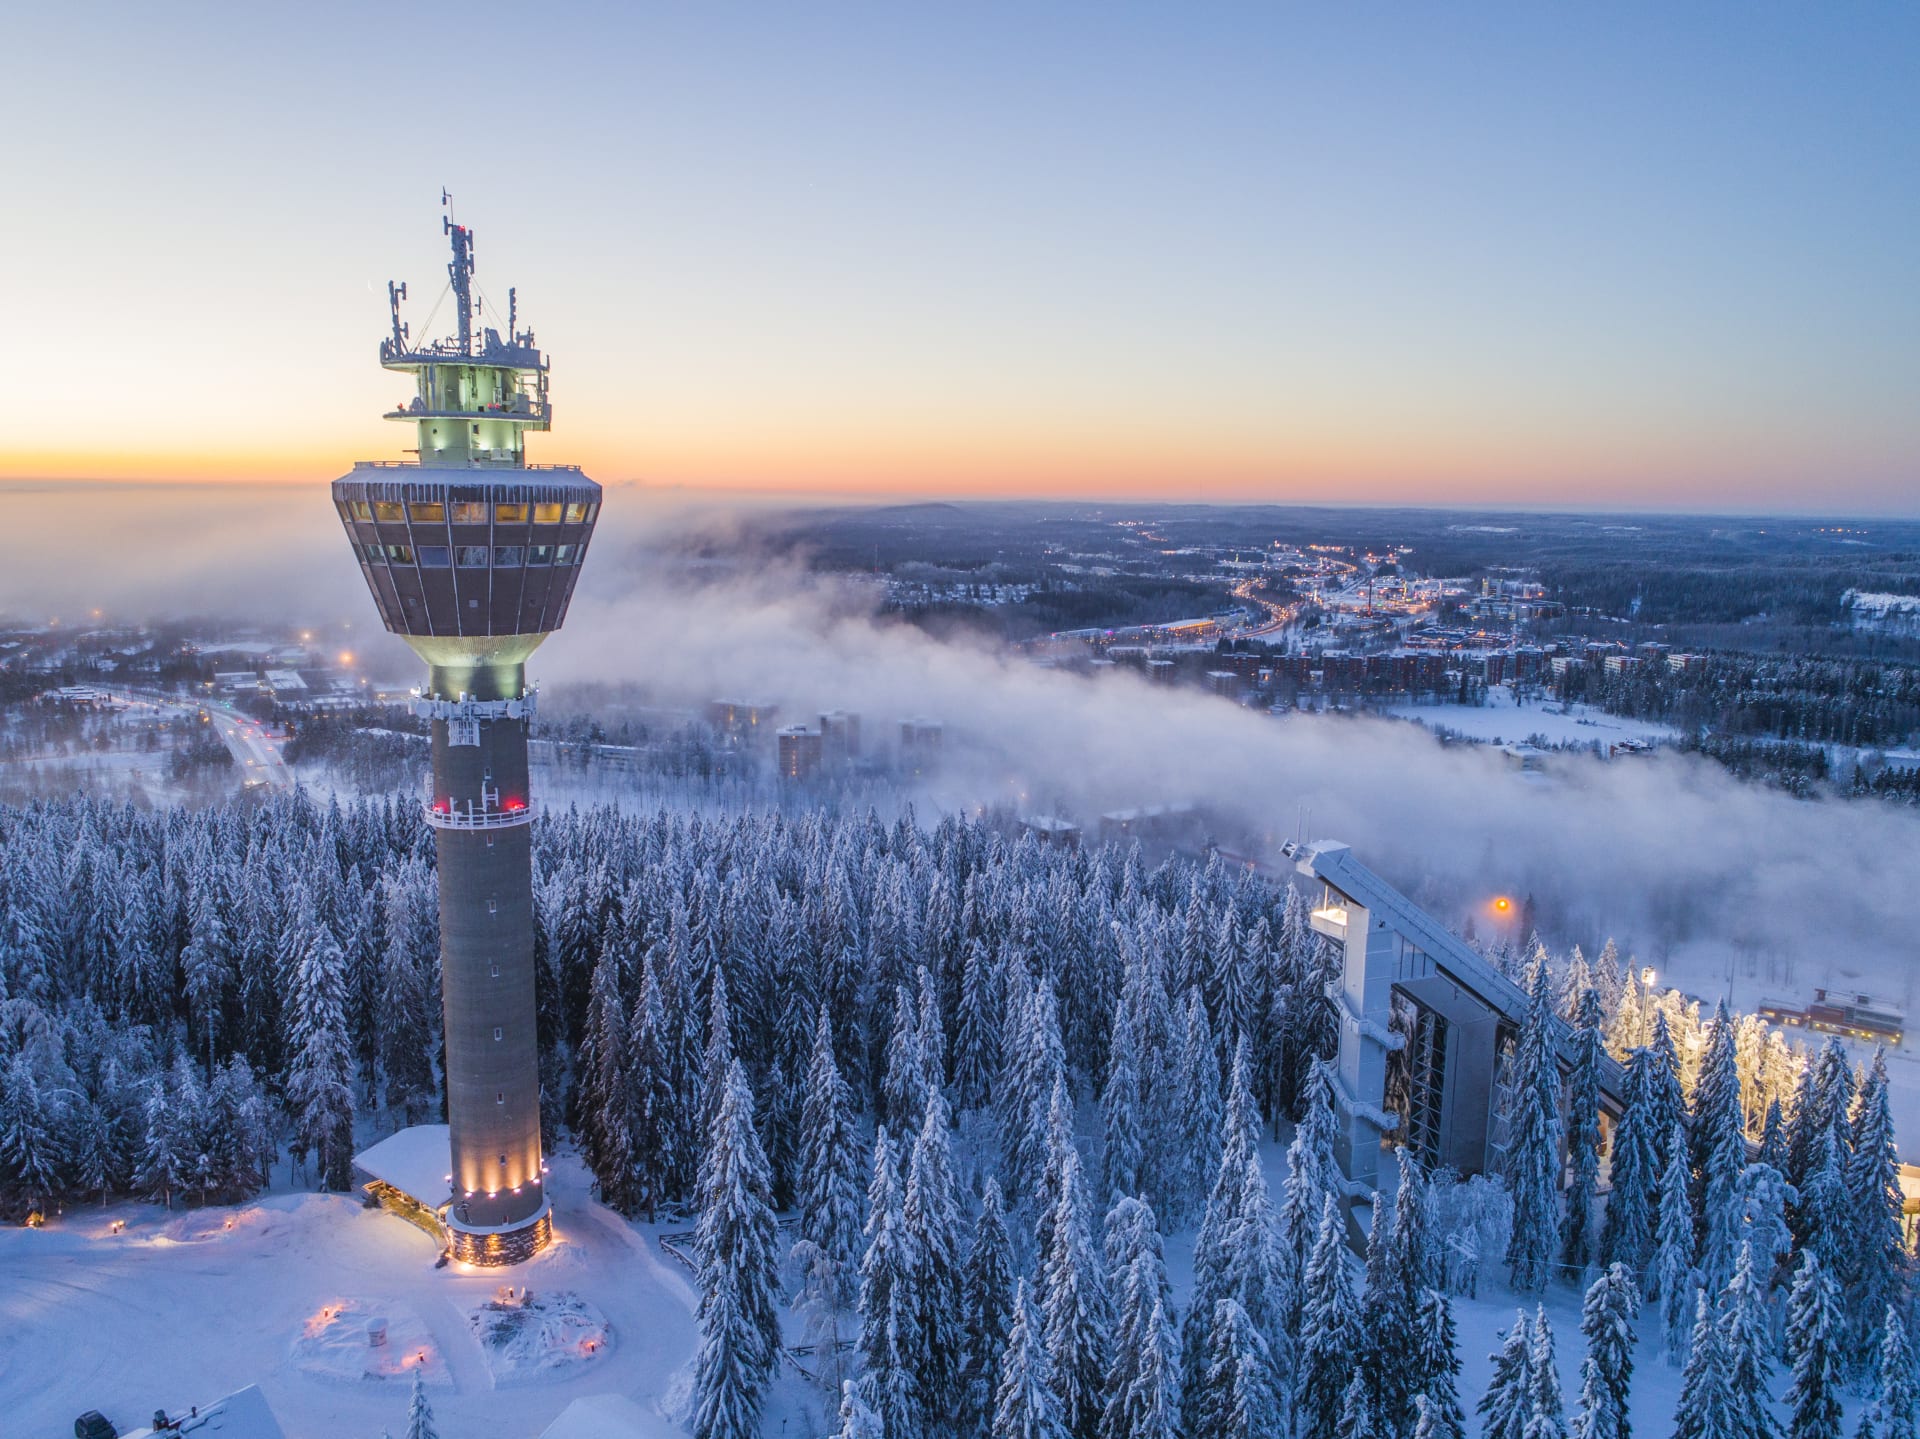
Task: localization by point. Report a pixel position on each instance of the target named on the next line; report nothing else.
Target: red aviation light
(513, 805)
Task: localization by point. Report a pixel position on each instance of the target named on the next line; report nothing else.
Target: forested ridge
(986, 1077)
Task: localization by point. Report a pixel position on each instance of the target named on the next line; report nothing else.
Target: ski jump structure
(1423, 1023)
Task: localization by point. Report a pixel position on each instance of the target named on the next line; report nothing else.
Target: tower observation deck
(471, 556)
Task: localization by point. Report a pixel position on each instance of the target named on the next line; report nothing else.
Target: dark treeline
(1814, 701)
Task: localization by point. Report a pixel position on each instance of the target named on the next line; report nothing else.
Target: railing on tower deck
(499, 814)
(533, 412)
(457, 465)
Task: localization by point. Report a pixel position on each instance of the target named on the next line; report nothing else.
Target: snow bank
(534, 1336)
(336, 1342)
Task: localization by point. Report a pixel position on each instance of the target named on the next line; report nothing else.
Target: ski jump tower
(471, 555)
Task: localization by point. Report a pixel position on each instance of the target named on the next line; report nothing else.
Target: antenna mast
(460, 272)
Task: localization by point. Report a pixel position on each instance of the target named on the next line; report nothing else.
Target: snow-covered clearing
(180, 1309)
(1502, 721)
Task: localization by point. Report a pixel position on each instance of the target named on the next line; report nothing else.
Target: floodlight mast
(471, 556)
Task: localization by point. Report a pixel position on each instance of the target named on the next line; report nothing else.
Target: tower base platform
(406, 1174)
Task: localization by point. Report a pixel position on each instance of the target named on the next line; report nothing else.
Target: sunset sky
(1635, 255)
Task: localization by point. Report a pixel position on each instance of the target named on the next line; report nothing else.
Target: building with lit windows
(471, 555)
(799, 751)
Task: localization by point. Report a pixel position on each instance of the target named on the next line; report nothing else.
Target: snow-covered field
(178, 1310)
(1501, 721)
(181, 1309)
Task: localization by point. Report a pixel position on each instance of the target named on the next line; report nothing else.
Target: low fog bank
(1669, 855)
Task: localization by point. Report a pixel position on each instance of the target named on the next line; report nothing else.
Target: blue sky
(1645, 254)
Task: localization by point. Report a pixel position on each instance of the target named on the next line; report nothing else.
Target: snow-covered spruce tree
(659, 1138)
(1745, 1338)
(1763, 1200)
(1312, 1175)
(739, 1271)
(1895, 1412)
(932, 1220)
(1821, 1101)
(409, 1009)
(1025, 1404)
(606, 1109)
(1330, 1333)
(1400, 1268)
(206, 967)
(1706, 1406)
(1873, 1190)
(1773, 1140)
(1074, 1304)
(903, 1093)
(419, 1412)
(976, 1036)
(319, 1082)
(1546, 1414)
(1825, 1211)
(1672, 1273)
(1718, 1154)
(1815, 1335)
(1626, 1236)
(987, 1301)
(1356, 1415)
(1533, 1149)
(857, 1421)
(827, 1253)
(32, 1156)
(1236, 1394)
(1217, 1269)
(1664, 1093)
(1507, 1404)
(1436, 1367)
(1120, 1149)
(1143, 1374)
(1606, 1370)
(888, 1324)
(1583, 1134)
(1200, 1115)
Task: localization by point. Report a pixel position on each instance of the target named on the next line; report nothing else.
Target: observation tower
(471, 555)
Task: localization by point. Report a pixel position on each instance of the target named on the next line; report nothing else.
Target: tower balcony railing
(492, 814)
(527, 411)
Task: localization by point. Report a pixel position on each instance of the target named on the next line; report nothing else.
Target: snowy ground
(180, 1309)
(1501, 721)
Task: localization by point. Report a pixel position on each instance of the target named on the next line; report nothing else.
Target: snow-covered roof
(414, 1161)
(245, 1415)
(607, 1416)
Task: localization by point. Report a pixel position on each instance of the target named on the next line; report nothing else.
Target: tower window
(469, 512)
(389, 512)
(507, 557)
(493, 905)
(494, 970)
(427, 511)
(500, 1096)
(400, 554)
(362, 510)
(509, 514)
(563, 554)
(473, 557)
(496, 1032)
(576, 514)
(540, 554)
(434, 557)
(546, 514)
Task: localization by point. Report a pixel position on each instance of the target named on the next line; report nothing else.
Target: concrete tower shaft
(471, 557)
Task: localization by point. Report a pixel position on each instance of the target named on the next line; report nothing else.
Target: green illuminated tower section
(471, 556)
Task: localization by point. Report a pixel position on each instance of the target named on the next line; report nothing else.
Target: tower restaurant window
(473, 557)
(546, 514)
(469, 512)
(507, 557)
(427, 512)
(509, 514)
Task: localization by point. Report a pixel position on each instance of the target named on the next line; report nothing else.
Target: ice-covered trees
(1533, 1146)
(1672, 1275)
(1815, 1352)
(1025, 1404)
(1330, 1332)
(1606, 1369)
(1583, 1133)
(1718, 1154)
(827, 1252)
(419, 1412)
(739, 1271)
(1877, 1248)
(987, 1304)
(319, 1082)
